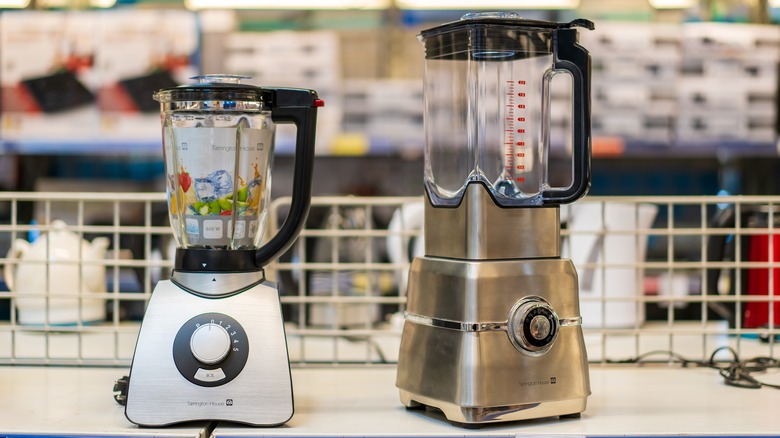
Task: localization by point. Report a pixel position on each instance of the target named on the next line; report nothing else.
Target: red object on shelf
(758, 281)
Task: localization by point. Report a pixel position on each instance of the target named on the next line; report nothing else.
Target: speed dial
(210, 343)
(533, 326)
(210, 349)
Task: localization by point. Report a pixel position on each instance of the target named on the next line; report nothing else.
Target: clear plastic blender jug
(487, 103)
(218, 156)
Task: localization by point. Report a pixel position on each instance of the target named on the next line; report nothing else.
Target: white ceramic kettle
(52, 275)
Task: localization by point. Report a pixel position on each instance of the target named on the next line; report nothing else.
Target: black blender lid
(215, 87)
(493, 36)
(505, 19)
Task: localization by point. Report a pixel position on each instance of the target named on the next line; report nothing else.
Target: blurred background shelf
(690, 89)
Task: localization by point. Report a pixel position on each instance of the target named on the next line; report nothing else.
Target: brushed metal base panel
(478, 372)
(496, 414)
(261, 395)
(480, 229)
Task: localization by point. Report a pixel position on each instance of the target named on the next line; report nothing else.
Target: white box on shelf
(704, 126)
(712, 94)
(761, 128)
(732, 38)
(632, 37)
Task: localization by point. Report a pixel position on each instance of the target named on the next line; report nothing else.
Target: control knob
(533, 326)
(210, 343)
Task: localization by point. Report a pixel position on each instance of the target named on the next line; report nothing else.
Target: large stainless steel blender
(212, 344)
(493, 328)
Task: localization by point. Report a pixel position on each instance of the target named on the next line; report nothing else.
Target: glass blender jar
(193, 358)
(218, 155)
(487, 108)
(492, 279)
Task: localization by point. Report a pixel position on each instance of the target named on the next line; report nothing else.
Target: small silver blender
(492, 328)
(212, 343)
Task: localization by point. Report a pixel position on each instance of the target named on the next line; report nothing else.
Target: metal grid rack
(680, 274)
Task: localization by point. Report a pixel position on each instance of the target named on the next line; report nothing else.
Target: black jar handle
(299, 107)
(575, 59)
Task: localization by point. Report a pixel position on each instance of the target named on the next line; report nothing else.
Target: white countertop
(657, 400)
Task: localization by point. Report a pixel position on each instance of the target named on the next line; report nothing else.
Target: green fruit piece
(214, 207)
(242, 194)
(198, 205)
(224, 204)
(203, 210)
(229, 196)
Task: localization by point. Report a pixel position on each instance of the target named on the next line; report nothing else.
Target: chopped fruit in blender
(173, 205)
(185, 181)
(226, 213)
(224, 204)
(242, 193)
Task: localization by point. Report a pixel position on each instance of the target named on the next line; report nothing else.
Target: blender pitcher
(218, 163)
(492, 303)
(487, 108)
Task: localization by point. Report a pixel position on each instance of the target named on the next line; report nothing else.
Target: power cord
(735, 372)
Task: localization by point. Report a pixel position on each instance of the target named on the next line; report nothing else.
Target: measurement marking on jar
(510, 129)
(515, 161)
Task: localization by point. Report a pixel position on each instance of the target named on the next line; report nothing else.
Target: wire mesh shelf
(682, 274)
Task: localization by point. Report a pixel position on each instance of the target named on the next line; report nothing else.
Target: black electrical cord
(735, 372)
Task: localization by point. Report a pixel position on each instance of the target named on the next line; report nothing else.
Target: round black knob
(532, 326)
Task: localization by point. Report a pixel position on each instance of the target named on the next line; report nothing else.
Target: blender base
(252, 385)
(470, 416)
(456, 354)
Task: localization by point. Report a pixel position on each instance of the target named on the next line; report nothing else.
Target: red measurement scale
(515, 131)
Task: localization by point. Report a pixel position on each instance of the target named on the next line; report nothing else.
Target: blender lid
(216, 88)
(503, 19)
(493, 36)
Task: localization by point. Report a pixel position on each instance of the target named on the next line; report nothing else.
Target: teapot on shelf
(53, 276)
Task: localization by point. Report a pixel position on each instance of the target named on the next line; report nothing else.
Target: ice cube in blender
(213, 186)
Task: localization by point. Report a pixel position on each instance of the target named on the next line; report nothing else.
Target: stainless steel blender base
(257, 389)
(482, 415)
(456, 353)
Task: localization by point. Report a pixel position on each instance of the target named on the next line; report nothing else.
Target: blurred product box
(138, 53)
(386, 110)
(692, 83)
(89, 75)
(361, 53)
(634, 126)
(285, 58)
(632, 38)
(646, 67)
(47, 75)
(696, 127)
(379, 96)
(307, 59)
(733, 40)
(620, 95)
(760, 128)
(712, 94)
